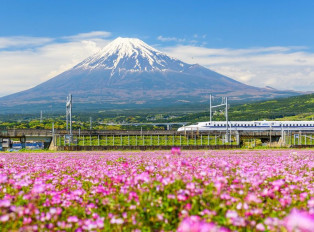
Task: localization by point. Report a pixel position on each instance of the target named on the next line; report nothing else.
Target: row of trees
(60, 124)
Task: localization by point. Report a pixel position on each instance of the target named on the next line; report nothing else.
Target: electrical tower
(69, 114)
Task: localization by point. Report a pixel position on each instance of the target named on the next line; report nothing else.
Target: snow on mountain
(131, 55)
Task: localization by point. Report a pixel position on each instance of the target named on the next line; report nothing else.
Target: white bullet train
(251, 126)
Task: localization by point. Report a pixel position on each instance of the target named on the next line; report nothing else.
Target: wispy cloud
(22, 41)
(168, 39)
(279, 67)
(89, 35)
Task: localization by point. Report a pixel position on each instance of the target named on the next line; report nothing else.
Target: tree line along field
(197, 191)
(292, 108)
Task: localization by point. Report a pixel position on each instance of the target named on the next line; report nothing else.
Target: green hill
(291, 108)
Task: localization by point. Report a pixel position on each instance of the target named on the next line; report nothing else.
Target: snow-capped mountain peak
(130, 55)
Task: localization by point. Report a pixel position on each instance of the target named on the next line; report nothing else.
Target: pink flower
(133, 196)
(73, 219)
(310, 203)
(118, 221)
(195, 224)
(251, 197)
(5, 203)
(176, 151)
(160, 217)
(299, 221)
(4, 218)
(181, 197)
(260, 227)
(303, 196)
(78, 192)
(278, 183)
(38, 188)
(188, 206)
(190, 186)
(218, 186)
(27, 220)
(3, 178)
(231, 214)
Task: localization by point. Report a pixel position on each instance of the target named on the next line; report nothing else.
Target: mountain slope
(129, 72)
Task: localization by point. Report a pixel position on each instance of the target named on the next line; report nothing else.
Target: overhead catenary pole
(69, 114)
(227, 133)
(53, 133)
(41, 116)
(224, 102)
(210, 108)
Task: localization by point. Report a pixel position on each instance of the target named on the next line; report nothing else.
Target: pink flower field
(158, 191)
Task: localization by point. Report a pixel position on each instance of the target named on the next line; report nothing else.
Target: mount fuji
(128, 72)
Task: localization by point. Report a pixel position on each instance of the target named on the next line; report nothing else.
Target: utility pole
(90, 123)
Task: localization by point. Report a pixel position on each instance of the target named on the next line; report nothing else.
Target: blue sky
(226, 23)
(249, 41)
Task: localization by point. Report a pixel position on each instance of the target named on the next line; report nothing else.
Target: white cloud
(278, 67)
(25, 68)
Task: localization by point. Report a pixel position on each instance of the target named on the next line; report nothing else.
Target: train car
(250, 126)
